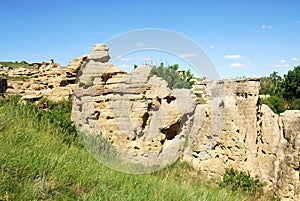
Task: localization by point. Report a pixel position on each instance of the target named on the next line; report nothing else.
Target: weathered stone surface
(252, 138)
(45, 79)
(75, 64)
(60, 93)
(145, 120)
(99, 53)
(288, 162)
(149, 122)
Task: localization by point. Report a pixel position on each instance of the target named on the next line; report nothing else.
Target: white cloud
(282, 61)
(139, 44)
(266, 26)
(294, 59)
(190, 55)
(233, 57)
(212, 47)
(280, 65)
(237, 65)
(145, 58)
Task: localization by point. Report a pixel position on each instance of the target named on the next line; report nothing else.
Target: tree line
(284, 91)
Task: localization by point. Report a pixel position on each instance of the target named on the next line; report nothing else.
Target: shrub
(295, 104)
(172, 76)
(276, 103)
(241, 181)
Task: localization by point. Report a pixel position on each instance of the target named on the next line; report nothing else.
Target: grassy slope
(15, 65)
(38, 163)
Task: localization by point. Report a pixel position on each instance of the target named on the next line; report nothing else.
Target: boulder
(59, 93)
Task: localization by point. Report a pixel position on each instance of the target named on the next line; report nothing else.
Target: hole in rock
(169, 99)
(106, 76)
(158, 99)
(145, 119)
(71, 81)
(172, 131)
(63, 83)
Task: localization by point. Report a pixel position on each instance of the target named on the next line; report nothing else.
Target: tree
(292, 84)
(272, 85)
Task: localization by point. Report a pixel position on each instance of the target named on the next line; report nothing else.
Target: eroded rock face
(137, 112)
(288, 162)
(49, 80)
(252, 138)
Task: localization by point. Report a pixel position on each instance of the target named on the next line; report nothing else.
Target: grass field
(41, 158)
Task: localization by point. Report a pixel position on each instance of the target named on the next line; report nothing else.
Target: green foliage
(36, 164)
(200, 98)
(272, 85)
(276, 103)
(295, 104)
(241, 181)
(16, 64)
(281, 90)
(292, 84)
(173, 77)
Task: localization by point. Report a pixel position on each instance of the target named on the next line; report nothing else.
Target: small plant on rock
(242, 181)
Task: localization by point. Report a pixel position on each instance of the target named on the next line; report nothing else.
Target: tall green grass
(41, 159)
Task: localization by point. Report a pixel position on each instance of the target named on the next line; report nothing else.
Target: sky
(242, 38)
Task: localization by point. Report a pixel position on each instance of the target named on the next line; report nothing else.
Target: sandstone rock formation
(252, 138)
(148, 123)
(145, 121)
(49, 80)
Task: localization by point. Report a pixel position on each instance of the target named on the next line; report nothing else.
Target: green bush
(241, 181)
(282, 89)
(173, 77)
(292, 84)
(276, 103)
(295, 104)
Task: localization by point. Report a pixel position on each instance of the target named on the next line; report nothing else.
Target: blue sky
(242, 38)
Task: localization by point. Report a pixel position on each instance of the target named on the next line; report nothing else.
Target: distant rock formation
(49, 80)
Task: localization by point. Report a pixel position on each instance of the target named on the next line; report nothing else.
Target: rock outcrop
(140, 116)
(145, 121)
(252, 138)
(49, 80)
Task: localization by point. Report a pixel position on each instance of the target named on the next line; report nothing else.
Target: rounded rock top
(100, 47)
